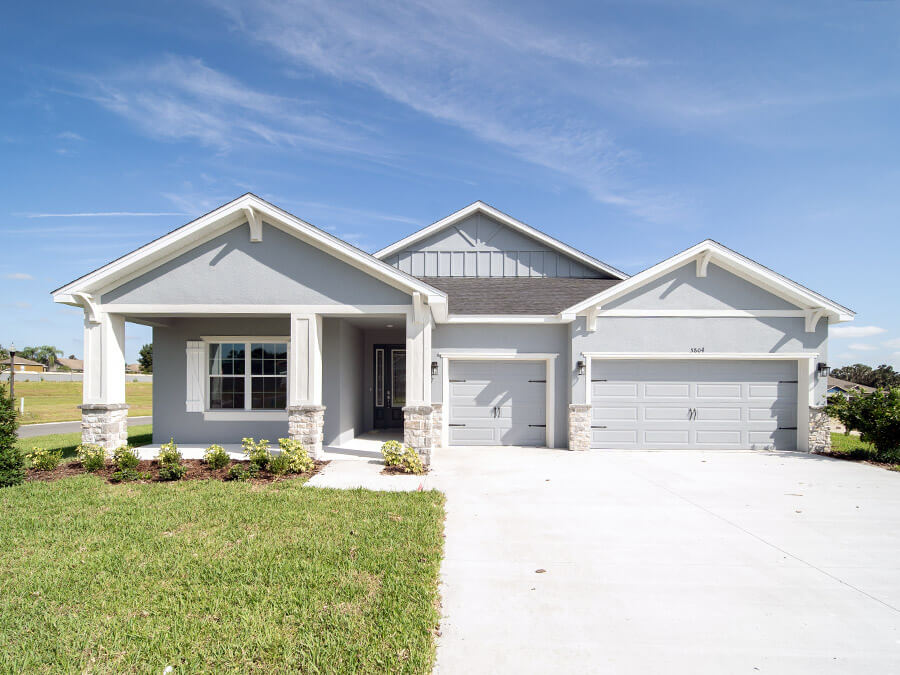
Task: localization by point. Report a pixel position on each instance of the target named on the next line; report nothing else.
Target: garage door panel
(708, 404)
(472, 436)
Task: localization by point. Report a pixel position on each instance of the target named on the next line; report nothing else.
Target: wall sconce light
(434, 368)
(580, 367)
(823, 369)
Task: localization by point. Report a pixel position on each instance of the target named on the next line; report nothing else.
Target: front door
(390, 385)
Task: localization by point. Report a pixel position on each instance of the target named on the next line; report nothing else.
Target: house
(23, 365)
(845, 387)
(71, 364)
(476, 330)
(133, 368)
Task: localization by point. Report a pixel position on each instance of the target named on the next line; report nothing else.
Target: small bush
(257, 452)
(126, 457)
(128, 475)
(406, 458)
(170, 466)
(242, 472)
(44, 460)
(91, 456)
(12, 460)
(216, 457)
(392, 451)
(298, 458)
(279, 465)
(876, 416)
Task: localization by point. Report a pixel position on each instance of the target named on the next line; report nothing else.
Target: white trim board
(731, 261)
(509, 221)
(223, 310)
(549, 360)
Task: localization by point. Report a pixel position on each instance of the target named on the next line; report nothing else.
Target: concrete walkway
(31, 430)
(667, 562)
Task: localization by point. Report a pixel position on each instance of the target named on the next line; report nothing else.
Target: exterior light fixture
(580, 367)
(823, 369)
(434, 368)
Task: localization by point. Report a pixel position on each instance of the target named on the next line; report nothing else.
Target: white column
(305, 378)
(418, 359)
(104, 359)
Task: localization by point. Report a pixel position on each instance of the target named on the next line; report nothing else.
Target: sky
(630, 130)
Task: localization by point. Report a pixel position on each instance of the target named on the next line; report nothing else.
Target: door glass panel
(398, 377)
(379, 377)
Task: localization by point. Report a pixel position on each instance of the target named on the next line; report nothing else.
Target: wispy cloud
(104, 214)
(499, 78)
(862, 347)
(893, 344)
(855, 331)
(21, 276)
(69, 136)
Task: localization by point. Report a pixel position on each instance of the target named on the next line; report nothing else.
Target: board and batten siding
(480, 246)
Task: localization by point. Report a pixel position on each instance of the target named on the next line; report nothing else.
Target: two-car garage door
(694, 404)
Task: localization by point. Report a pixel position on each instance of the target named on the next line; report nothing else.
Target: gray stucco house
(476, 330)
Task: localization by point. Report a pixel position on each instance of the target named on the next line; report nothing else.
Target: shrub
(126, 457)
(279, 465)
(298, 458)
(216, 457)
(257, 452)
(406, 458)
(128, 475)
(170, 466)
(877, 418)
(91, 456)
(241, 471)
(12, 460)
(44, 460)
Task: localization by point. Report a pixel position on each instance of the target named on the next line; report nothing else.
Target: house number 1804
(697, 350)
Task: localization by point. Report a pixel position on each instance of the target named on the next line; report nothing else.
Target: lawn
(217, 577)
(59, 401)
(140, 434)
(853, 448)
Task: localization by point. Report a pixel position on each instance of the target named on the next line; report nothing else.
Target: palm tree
(45, 354)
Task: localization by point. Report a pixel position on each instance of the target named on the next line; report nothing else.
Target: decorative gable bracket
(703, 262)
(255, 221)
(812, 319)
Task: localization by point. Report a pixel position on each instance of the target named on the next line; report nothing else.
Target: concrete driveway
(668, 562)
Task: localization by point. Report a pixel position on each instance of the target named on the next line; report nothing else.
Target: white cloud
(19, 276)
(861, 347)
(855, 331)
(70, 136)
(893, 344)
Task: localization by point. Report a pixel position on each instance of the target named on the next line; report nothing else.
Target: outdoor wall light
(580, 367)
(824, 369)
(434, 368)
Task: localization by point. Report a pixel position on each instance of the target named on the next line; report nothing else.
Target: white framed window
(247, 374)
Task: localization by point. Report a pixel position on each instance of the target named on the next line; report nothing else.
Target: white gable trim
(227, 217)
(509, 221)
(813, 305)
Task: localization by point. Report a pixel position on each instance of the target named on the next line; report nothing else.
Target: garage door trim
(463, 355)
(806, 364)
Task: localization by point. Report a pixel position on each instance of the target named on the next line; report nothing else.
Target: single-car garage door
(694, 404)
(497, 403)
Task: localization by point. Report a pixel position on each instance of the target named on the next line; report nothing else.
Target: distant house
(133, 368)
(844, 387)
(74, 365)
(24, 365)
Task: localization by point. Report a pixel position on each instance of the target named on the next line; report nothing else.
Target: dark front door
(390, 385)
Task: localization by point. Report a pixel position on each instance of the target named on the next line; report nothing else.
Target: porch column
(104, 414)
(306, 414)
(417, 414)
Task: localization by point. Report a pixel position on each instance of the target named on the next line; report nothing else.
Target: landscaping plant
(257, 452)
(406, 458)
(392, 451)
(877, 418)
(12, 459)
(298, 458)
(242, 472)
(125, 458)
(170, 466)
(91, 456)
(216, 456)
(279, 465)
(44, 460)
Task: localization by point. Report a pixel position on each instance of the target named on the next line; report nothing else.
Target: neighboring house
(476, 330)
(23, 365)
(73, 365)
(133, 368)
(844, 387)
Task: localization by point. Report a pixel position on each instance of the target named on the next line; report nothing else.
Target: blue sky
(630, 130)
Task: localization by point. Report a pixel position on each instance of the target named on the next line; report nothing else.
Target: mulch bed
(398, 471)
(197, 469)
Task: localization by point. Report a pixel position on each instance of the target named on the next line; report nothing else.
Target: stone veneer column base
(819, 430)
(104, 424)
(306, 424)
(437, 425)
(418, 430)
(579, 426)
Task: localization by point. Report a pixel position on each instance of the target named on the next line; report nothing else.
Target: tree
(884, 376)
(877, 418)
(145, 358)
(45, 354)
(12, 460)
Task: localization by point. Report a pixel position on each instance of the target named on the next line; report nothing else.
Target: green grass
(59, 401)
(140, 434)
(217, 577)
(852, 447)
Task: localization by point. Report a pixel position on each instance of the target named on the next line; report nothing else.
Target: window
(247, 375)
